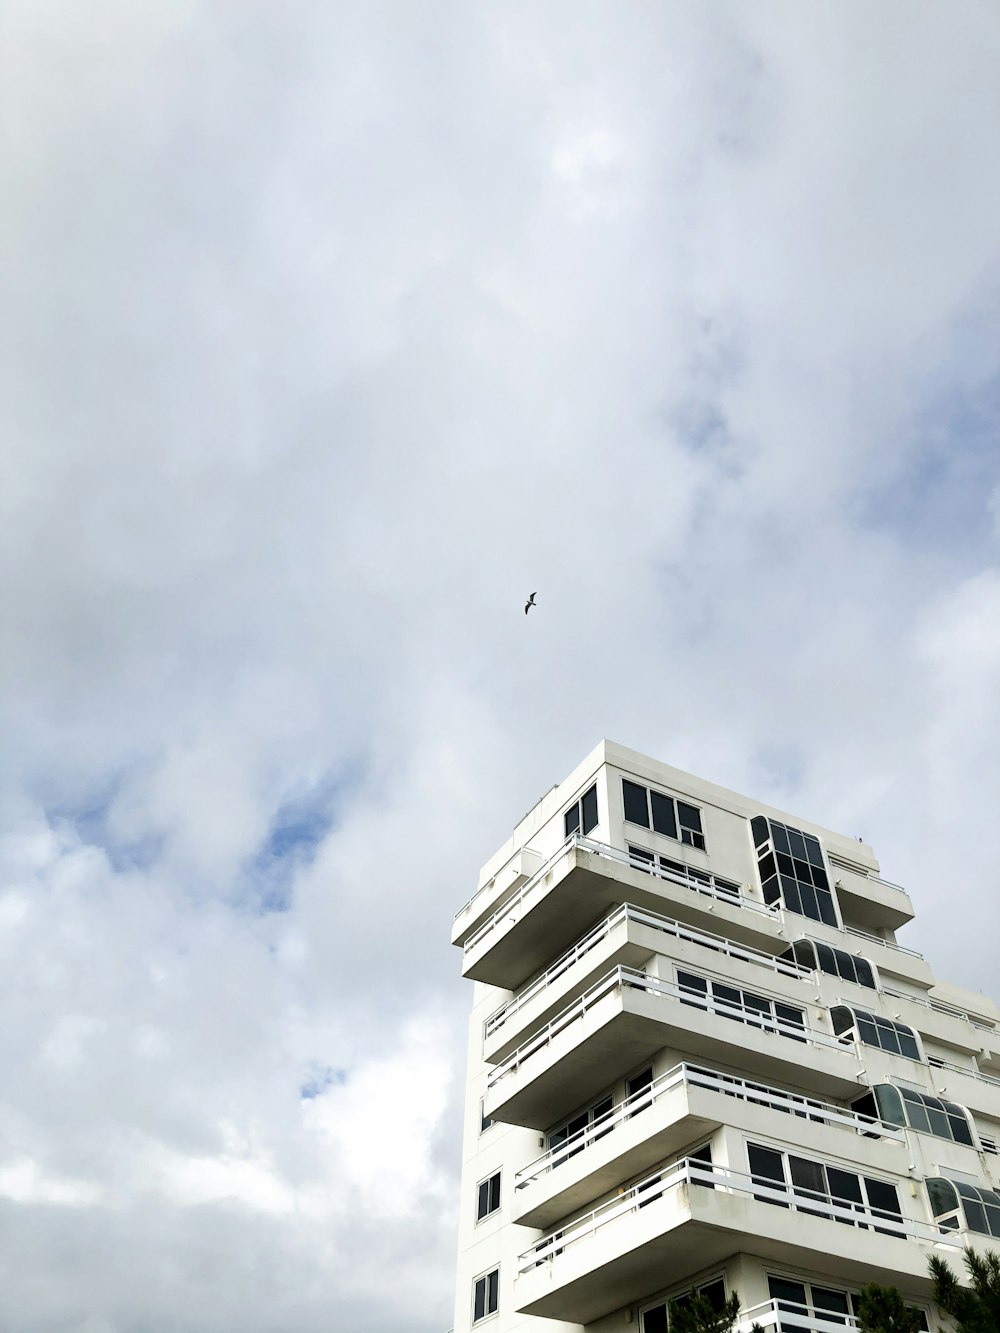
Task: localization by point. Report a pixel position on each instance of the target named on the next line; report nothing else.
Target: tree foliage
(975, 1309)
(697, 1314)
(883, 1310)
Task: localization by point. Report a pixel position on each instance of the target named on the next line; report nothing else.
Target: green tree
(883, 1310)
(975, 1309)
(697, 1314)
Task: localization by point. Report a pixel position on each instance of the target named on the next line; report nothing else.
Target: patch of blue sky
(942, 500)
(319, 1079)
(296, 832)
(89, 819)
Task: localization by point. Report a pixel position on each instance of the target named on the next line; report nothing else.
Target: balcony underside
(578, 891)
(691, 1228)
(872, 904)
(630, 1026)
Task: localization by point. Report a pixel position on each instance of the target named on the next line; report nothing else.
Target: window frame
(751, 1015)
(688, 834)
(778, 880)
(485, 1278)
(485, 1122)
(579, 807)
(801, 1192)
(864, 1019)
(665, 1302)
(488, 1182)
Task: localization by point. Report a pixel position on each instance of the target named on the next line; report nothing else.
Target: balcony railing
(693, 1076)
(667, 926)
(629, 978)
(690, 1171)
(939, 1006)
(877, 939)
(513, 906)
(792, 1317)
(952, 1068)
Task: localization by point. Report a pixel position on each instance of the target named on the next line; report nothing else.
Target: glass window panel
(867, 1031)
(758, 830)
(785, 864)
(797, 844)
(807, 1175)
(842, 1019)
(779, 836)
(479, 1304)
(916, 1114)
(942, 1196)
(714, 1293)
(678, 867)
(939, 1122)
(766, 866)
(827, 959)
(483, 1206)
(771, 891)
(794, 1017)
(786, 1292)
(494, 1192)
(819, 878)
(827, 911)
(589, 804)
(655, 1320)
(810, 907)
(960, 1130)
(844, 1185)
(765, 1164)
(727, 886)
(993, 1218)
(790, 894)
(890, 1104)
(866, 976)
(814, 852)
(636, 811)
(689, 816)
(908, 1045)
(975, 1216)
(802, 870)
(640, 857)
(572, 820)
(833, 1303)
(727, 995)
(663, 814)
(882, 1196)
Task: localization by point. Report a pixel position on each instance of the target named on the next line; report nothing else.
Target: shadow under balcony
(626, 1018)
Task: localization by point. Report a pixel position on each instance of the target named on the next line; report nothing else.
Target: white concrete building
(700, 1061)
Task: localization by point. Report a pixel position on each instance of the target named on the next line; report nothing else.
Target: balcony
(625, 1018)
(577, 886)
(971, 1088)
(628, 936)
(869, 901)
(941, 1022)
(682, 1105)
(689, 1216)
(487, 898)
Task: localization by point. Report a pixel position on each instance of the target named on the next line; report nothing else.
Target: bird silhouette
(530, 603)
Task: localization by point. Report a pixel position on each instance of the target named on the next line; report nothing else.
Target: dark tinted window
(489, 1197)
(486, 1294)
(634, 797)
(800, 873)
(589, 804)
(663, 814)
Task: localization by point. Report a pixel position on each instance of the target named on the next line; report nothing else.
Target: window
(656, 1318)
(816, 955)
(581, 817)
(874, 1030)
(485, 1295)
(699, 880)
(818, 1185)
(803, 1302)
(954, 1201)
(917, 1110)
(485, 1122)
(488, 1200)
(791, 869)
(663, 814)
(574, 1132)
(635, 1087)
(744, 1006)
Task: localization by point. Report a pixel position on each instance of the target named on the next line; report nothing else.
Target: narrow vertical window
(486, 1295)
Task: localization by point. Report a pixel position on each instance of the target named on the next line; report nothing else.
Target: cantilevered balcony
(629, 936)
(576, 887)
(867, 900)
(968, 1086)
(690, 1215)
(626, 1017)
(682, 1105)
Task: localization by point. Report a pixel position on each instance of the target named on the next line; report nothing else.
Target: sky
(331, 330)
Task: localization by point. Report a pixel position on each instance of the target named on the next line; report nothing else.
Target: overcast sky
(330, 331)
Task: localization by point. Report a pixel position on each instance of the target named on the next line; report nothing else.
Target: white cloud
(337, 334)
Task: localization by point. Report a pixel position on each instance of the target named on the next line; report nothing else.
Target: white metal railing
(989, 1144)
(620, 978)
(668, 926)
(939, 1006)
(952, 1068)
(877, 939)
(783, 1314)
(686, 1075)
(690, 1171)
(511, 906)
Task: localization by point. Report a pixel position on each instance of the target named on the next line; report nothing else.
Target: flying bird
(530, 603)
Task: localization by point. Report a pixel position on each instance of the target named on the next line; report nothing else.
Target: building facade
(699, 1061)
